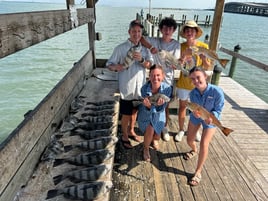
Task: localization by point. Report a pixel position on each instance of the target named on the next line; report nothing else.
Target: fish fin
(58, 179)
(226, 131)
(58, 162)
(223, 62)
(68, 148)
(52, 193)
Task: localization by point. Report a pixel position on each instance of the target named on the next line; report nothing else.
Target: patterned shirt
(156, 114)
(212, 99)
(132, 79)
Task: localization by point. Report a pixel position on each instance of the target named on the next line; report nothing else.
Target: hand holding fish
(137, 56)
(146, 102)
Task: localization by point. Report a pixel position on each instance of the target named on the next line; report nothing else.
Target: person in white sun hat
(191, 32)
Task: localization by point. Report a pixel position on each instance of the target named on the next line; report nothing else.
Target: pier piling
(233, 63)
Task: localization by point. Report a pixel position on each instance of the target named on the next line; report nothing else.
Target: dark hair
(155, 66)
(194, 69)
(169, 22)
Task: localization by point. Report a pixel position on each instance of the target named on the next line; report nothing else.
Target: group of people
(152, 117)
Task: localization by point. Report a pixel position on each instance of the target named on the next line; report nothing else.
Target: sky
(196, 4)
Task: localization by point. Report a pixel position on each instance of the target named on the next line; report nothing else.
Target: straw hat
(192, 24)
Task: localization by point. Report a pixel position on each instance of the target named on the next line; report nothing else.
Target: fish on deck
(210, 54)
(88, 159)
(91, 134)
(94, 144)
(204, 114)
(87, 191)
(86, 174)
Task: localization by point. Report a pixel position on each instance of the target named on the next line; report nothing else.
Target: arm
(148, 45)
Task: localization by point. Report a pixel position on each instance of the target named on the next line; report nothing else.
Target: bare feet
(155, 144)
(146, 155)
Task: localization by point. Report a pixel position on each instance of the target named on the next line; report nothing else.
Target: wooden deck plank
(236, 168)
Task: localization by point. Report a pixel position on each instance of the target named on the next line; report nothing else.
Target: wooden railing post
(233, 63)
(216, 75)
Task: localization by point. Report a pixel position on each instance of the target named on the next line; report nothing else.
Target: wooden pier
(236, 168)
(249, 8)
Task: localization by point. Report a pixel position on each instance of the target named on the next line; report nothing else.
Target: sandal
(195, 180)
(189, 155)
(126, 144)
(135, 138)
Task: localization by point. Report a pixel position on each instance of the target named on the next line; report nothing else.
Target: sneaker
(166, 136)
(198, 137)
(179, 136)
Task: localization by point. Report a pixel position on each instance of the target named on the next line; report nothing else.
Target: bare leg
(182, 114)
(132, 122)
(148, 137)
(125, 120)
(192, 130)
(203, 152)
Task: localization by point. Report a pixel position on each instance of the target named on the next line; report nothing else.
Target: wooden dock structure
(236, 168)
(249, 8)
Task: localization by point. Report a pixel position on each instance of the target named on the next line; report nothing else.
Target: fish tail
(226, 131)
(52, 193)
(223, 62)
(58, 162)
(58, 179)
(68, 148)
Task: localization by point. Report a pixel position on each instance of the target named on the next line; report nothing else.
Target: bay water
(27, 76)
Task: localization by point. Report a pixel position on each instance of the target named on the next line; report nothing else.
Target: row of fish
(93, 123)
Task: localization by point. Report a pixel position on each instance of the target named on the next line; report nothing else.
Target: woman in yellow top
(190, 31)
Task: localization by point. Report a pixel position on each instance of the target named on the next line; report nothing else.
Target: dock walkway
(236, 168)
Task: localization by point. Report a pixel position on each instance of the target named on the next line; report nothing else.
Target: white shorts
(182, 94)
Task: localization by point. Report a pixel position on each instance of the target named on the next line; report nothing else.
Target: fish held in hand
(87, 191)
(204, 114)
(210, 54)
(171, 60)
(153, 99)
(129, 60)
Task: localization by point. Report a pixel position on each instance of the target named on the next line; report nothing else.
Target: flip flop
(189, 155)
(135, 138)
(195, 180)
(126, 144)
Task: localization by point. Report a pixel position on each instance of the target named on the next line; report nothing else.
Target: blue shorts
(197, 121)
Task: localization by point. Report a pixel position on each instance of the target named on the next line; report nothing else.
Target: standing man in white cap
(191, 32)
(130, 79)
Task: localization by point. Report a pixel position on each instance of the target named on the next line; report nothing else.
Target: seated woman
(151, 117)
